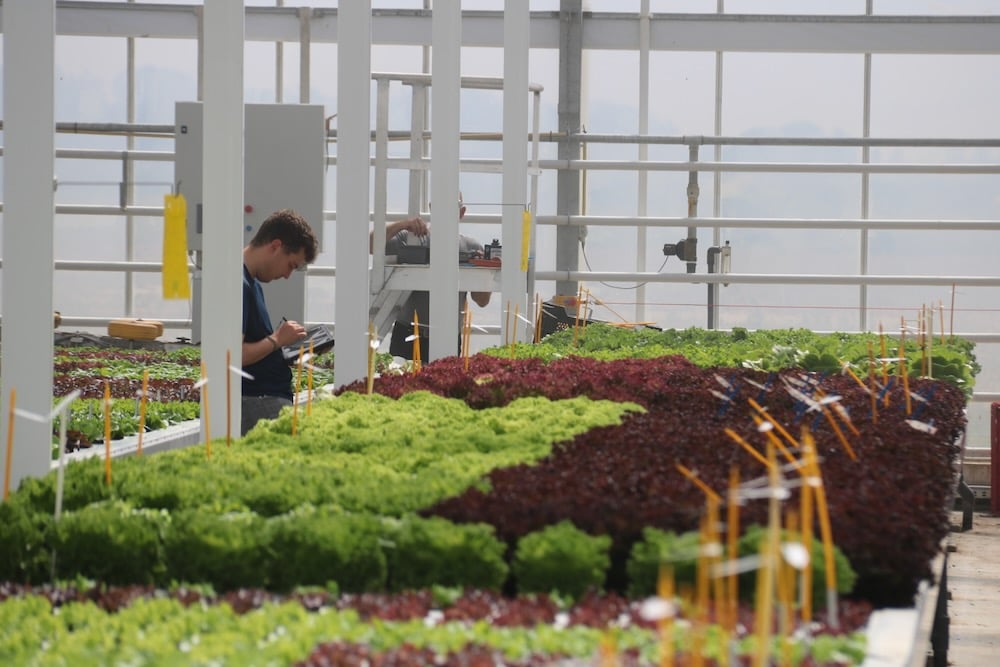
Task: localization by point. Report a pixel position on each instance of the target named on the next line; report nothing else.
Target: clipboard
(319, 335)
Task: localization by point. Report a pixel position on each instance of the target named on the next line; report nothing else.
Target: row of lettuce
(337, 501)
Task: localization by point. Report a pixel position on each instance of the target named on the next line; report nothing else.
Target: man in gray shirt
(415, 232)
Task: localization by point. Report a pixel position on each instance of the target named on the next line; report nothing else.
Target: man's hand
(289, 332)
(415, 226)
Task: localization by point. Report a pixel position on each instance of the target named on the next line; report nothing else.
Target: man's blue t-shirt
(271, 375)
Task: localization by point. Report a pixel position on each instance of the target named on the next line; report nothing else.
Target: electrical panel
(284, 163)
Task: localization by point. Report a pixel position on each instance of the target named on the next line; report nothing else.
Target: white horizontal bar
(603, 31)
(766, 223)
(767, 279)
(774, 167)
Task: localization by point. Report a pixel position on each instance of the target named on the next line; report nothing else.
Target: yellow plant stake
(142, 411)
(770, 555)
(665, 626)
(885, 364)
(525, 238)
(229, 394)
(298, 389)
(175, 271)
(309, 387)
(10, 445)
(824, 526)
(806, 507)
(777, 425)
(871, 383)
(941, 305)
(904, 376)
(416, 343)
(107, 433)
(372, 344)
(204, 411)
(745, 445)
(732, 551)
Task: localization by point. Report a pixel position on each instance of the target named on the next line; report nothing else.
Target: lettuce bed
(517, 474)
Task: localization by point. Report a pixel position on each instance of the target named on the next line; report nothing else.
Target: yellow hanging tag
(525, 238)
(175, 270)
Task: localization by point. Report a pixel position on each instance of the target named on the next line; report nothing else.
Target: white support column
(513, 280)
(222, 286)
(28, 217)
(354, 71)
(446, 87)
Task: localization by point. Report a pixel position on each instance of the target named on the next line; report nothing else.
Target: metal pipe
(771, 278)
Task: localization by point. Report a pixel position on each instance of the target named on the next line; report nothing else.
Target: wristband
(274, 343)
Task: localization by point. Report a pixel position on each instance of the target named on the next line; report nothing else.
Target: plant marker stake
(142, 411)
(576, 319)
(309, 382)
(930, 342)
(705, 488)
(416, 343)
(229, 394)
(941, 307)
(769, 552)
(699, 619)
(871, 383)
(781, 429)
(714, 561)
(665, 626)
(922, 339)
(806, 508)
(107, 433)
(372, 344)
(10, 445)
(467, 336)
(825, 531)
(745, 445)
(838, 410)
(204, 396)
(846, 368)
(885, 364)
(786, 594)
(537, 337)
(902, 367)
(836, 429)
(513, 339)
(506, 326)
(767, 428)
(298, 389)
(608, 650)
(732, 550)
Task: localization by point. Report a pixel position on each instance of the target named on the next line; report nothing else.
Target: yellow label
(176, 284)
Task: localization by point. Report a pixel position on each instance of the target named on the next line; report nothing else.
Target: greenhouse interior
(715, 379)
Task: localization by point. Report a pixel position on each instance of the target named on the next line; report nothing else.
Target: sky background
(765, 94)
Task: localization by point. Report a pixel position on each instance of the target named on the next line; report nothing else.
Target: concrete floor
(974, 585)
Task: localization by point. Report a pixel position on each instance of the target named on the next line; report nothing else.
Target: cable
(586, 260)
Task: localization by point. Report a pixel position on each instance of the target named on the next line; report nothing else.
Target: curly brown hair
(291, 229)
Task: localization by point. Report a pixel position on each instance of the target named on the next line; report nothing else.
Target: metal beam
(28, 233)
(604, 31)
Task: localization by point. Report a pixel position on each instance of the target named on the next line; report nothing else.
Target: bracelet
(274, 343)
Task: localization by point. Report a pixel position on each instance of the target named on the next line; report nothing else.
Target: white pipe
(222, 238)
(446, 55)
(770, 278)
(641, 242)
(514, 186)
(28, 230)
(354, 127)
